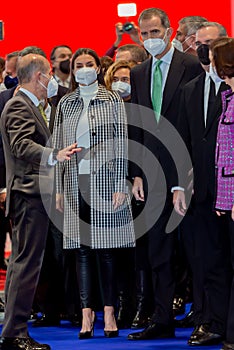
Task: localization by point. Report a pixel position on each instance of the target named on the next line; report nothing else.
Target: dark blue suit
(158, 170)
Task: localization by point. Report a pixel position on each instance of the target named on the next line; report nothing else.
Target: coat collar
(103, 95)
(36, 111)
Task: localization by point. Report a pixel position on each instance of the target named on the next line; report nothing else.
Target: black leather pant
(87, 260)
(90, 261)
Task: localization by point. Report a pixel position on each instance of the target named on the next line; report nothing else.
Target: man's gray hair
(221, 28)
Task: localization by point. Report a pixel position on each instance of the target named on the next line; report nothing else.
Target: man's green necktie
(41, 109)
(157, 90)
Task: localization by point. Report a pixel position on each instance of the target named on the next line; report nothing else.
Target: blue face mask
(10, 82)
(124, 89)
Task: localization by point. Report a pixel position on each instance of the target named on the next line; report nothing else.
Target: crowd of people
(120, 167)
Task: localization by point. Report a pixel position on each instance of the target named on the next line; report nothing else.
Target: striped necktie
(41, 109)
(157, 90)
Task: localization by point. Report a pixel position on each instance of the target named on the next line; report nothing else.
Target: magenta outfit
(225, 154)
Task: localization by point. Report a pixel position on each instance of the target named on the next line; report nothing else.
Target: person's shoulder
(142, 66)
(194, 83)
(17, 101)
(68, 97)
(5, 96)
(187, 59)
(111, 95)
(62, 90)
(8, 93)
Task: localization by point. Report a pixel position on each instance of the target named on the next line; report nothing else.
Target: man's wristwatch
(54, 154)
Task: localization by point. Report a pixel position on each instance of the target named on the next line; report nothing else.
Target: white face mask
(52, 87)
(177, 44)
(155, 46)
(86, 75)
(213, 74)
(124, 89)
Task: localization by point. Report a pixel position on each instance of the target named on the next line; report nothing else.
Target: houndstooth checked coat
(108, 167)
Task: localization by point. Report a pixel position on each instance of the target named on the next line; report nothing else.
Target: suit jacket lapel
(173, 79)
(36, 112)
(217, 108)
(147, 78)
(198, 107)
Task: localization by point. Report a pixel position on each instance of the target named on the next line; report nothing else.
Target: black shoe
(178, 306)
(141, 319)
(86, 334)
(198, 330)
(202, 336)
(111, 334)
(186, 322)
(153, 331)
(22, 344)
(227, 346)
(46, 321)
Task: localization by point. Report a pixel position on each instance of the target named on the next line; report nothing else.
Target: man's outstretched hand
(66, 153)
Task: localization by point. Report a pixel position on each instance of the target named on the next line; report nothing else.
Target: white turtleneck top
(82, 133)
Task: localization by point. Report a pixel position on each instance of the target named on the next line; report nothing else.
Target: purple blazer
(225, 154)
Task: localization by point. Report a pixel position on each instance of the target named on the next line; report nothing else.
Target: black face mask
(64, 66)
(203, 54)
(10, 82)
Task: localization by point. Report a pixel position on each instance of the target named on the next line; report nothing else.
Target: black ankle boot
(141, 318)
(125, 311)
(143, 313)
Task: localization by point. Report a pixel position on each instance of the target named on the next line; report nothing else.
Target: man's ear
(170, 32)
(191, 41)
(52, 63)
(36, 75)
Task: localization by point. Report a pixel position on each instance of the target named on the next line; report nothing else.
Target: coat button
(93, 172)
(94, 133)
(204, 139)
(92, 116)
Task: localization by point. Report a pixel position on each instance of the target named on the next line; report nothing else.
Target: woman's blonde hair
(109, 76)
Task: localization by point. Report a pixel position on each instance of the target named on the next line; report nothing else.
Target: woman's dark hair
(106, 62)
(85, 51)
(222, 50)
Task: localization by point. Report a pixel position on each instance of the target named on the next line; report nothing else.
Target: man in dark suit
(4, 222)
(208, 254)
(52, 272)
(29, 168)
(56, 268)
(153, 175)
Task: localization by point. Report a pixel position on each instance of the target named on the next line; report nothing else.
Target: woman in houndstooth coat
(91, 188)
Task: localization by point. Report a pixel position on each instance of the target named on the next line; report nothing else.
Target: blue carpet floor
(65, 337)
